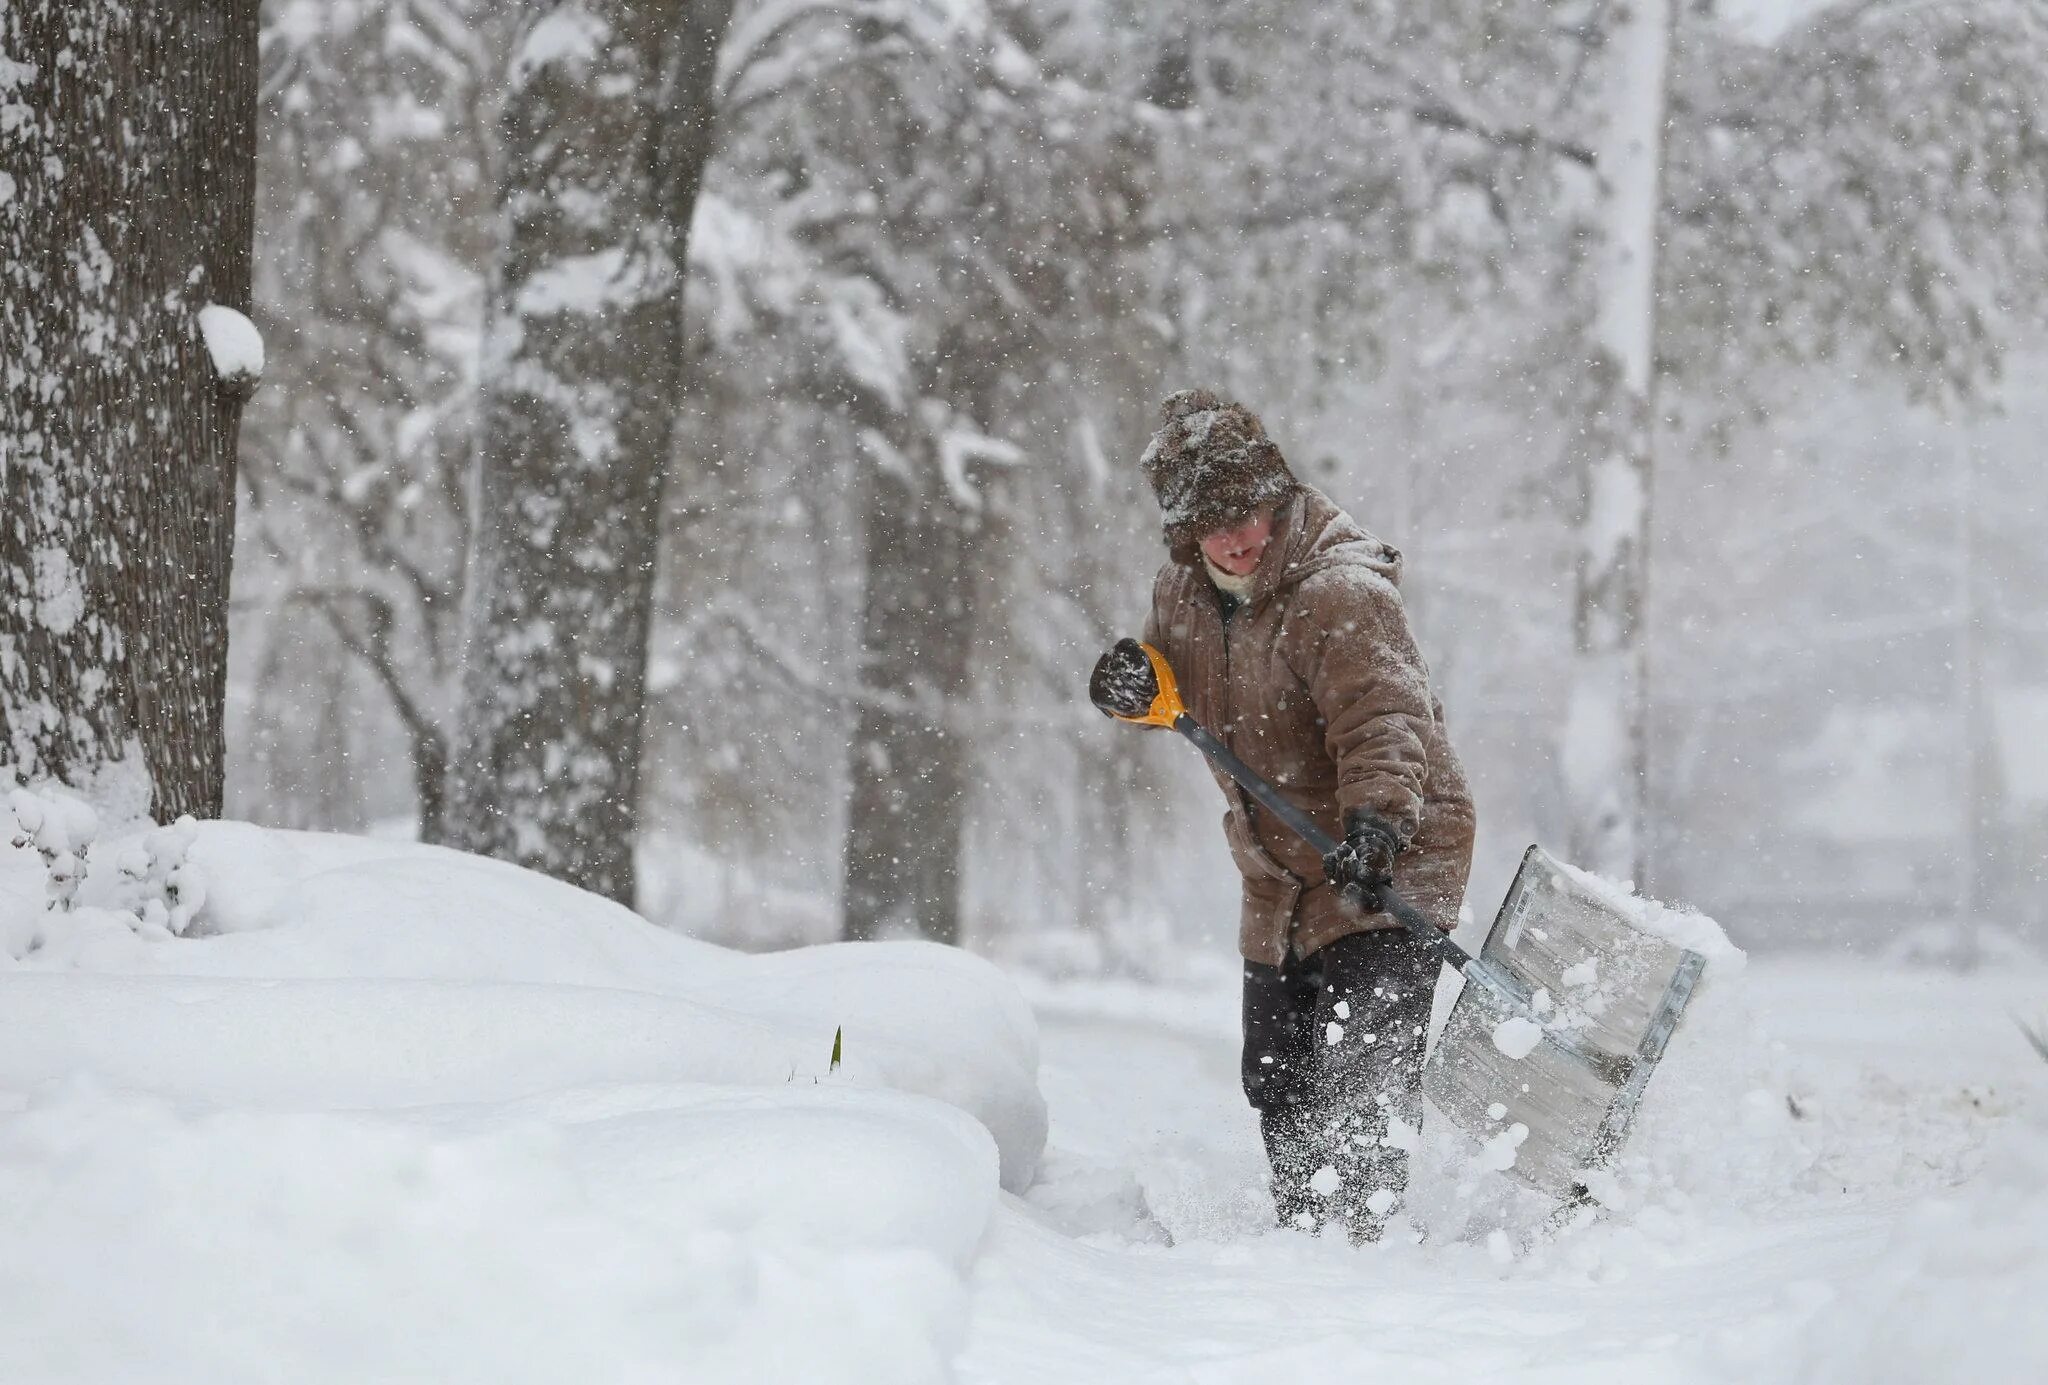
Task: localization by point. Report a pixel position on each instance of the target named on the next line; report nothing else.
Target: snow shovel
(1564, 1013)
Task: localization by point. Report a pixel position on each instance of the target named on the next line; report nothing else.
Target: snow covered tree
(606, 130)
(946, 185)
(1605, 751)
(1864, 192)
(373, 230)
(1803, 202)
(1856, 190)
(126, 207)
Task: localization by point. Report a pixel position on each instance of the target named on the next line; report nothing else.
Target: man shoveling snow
(1284, 620)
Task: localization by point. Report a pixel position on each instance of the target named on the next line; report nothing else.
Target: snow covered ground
(389, 1113)
(1869, 1263)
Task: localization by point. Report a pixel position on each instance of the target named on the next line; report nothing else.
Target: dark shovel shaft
(1298, 822)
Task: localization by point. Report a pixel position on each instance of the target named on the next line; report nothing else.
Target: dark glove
(1123, 684)
(1363, 863)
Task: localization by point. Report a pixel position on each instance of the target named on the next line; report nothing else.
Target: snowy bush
(60, 829)
(152, 889)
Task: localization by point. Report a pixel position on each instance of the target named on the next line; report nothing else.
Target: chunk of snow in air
(1517, 1037)
(1500, 1150)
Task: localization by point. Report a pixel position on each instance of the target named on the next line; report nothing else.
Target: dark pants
(1333, 1047)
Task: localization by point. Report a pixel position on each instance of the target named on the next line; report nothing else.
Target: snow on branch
(61, 829)
(758, 60)
(868, 338)
(617, 277)
(759, 27)
(567, 36)
(959, 446)
(235, 346)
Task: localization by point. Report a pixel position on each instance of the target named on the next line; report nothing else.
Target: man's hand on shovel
(1363, 864)
(1134, 683)
(1123, 684)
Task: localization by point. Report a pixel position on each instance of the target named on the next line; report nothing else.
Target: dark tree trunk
(908, 765)
(607, 127)
(127, 205)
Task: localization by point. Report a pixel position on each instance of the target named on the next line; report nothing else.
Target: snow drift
(388, 1111)
(494, 955)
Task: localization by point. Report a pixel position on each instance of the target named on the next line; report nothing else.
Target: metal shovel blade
(1609, 996)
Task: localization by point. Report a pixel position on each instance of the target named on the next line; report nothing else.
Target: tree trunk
(607, 127)
(1606, 739)
(908, 767)
(127, 205)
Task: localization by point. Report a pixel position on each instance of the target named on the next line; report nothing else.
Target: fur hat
(1212, 466)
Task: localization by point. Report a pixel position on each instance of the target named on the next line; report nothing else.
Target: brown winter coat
(1316, 684)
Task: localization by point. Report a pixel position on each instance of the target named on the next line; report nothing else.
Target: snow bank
(627, 1241)
(301, 906)
(389, 1111)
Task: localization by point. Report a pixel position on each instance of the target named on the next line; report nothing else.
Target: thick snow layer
(233, 342)
(1741, 1269)
(621, 1233)
(392, 1112)
(526, 960)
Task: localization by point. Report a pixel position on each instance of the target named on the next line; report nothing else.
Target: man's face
(1237, 551)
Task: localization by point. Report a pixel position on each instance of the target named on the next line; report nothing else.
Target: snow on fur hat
(1212, 467)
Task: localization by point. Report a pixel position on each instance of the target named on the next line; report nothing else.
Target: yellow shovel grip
(1166, 705)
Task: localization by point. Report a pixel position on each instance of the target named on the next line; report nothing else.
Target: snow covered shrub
(158, 884)
(61, 830)
(139, 880)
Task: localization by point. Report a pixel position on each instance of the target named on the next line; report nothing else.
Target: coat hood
(1312, 535)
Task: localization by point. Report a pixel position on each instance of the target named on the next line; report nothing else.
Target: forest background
(946, 257)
